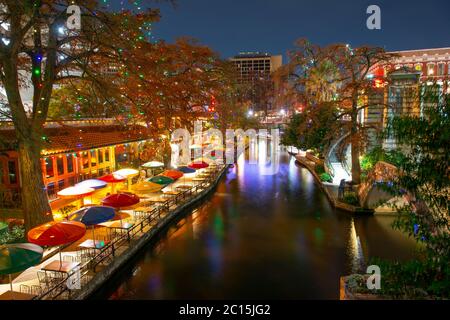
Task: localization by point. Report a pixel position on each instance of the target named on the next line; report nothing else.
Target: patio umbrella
(57, 233)
(147, 186)
(174, 174)
(186, 169)
(92, 183)
(153, 164)
(76, 192)
(128, 173)
(90, 216)
(18, 257)
(161, 180)
(112, 178)
(204, 159)
(121, 200)
(198, 165)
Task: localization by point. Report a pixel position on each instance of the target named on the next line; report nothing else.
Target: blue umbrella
(93, 215)
(185, 169)
(92, 183)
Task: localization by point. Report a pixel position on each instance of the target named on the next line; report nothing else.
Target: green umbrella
(161, 180)
(17, 257)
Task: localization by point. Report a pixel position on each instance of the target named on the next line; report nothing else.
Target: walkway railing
(147, 221)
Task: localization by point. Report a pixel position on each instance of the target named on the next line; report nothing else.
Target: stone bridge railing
(381, 172)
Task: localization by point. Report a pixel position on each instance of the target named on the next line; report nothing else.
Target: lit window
(60, 166)
(430, 68)
(12, 172)
(441, 68)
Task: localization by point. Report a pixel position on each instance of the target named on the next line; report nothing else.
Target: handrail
(110, 249)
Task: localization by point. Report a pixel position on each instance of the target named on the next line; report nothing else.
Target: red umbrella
(198, 165)
(112, 178)
(121, 200)
(173, 174)
(56, 234)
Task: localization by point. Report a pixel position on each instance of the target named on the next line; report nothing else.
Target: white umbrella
(127, 173)
(76, 192)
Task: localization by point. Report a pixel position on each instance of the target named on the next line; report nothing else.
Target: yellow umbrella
(147, 186)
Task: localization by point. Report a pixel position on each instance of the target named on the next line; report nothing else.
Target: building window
(107, 155)
(85, 160)
(60, 166)
(430, 69)
(70, 163)
(51, 190)
(49, 167)
(100, 156)
(93, 158)
(61, 184)
(441, 68)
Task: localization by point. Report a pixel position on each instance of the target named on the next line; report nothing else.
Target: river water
(259, 237)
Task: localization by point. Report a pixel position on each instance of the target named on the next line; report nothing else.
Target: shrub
(351, 198)
(319, 169)
(16, 234)
(415, 279)
(325, 177)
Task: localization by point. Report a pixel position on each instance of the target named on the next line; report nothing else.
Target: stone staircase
(339, 173)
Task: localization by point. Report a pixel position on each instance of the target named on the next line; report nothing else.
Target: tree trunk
(356, 166)
(35, 204)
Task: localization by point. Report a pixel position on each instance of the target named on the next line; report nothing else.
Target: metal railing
(148, 220)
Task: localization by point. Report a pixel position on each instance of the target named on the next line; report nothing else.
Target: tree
(424, 180)
(311, 128)
(337, 74)
(37, 51)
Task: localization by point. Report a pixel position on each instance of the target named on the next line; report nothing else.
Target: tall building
(255, 65)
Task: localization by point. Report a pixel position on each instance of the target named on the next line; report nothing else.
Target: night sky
(231, 26)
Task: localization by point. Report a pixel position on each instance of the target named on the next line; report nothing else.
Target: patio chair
(25, 289)
(43, 279)
(68, 258)
(36, 290)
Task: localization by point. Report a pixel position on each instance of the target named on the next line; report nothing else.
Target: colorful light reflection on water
(259, 237)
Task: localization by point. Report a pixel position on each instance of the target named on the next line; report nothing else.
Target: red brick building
(73, 151)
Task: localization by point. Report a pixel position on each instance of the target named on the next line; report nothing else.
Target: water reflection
(257, 236)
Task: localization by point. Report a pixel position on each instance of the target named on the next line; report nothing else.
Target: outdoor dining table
(60, 266)
(15, 295)
(118, 225)
(91, 244)
(172, 192)
(183, 186)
